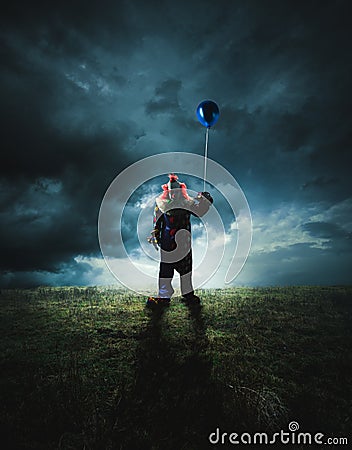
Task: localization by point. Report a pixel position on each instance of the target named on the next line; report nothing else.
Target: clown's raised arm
(202, 203)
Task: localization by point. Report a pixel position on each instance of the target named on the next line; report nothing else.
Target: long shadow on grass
(175, 404)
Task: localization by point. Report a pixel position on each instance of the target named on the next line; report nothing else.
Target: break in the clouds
(89, 88)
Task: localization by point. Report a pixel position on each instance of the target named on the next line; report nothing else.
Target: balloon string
(205, 156)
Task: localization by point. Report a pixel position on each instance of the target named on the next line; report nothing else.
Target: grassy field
(91, 368)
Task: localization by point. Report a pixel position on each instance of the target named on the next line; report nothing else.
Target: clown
(172, 233)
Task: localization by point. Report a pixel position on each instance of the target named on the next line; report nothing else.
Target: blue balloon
(208, 113)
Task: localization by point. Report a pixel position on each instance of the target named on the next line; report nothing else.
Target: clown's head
(174, 190)
(173, 187)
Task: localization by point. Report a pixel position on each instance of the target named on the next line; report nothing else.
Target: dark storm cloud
(319, 182)
(44, 228)
(93, 19)
(166, 98)
(89, 88)
(294, 82)
(45, 136)
(72, 273)
(326, 230)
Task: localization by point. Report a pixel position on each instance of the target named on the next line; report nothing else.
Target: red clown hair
(173, 177)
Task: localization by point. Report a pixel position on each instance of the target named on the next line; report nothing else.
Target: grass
(91, 368)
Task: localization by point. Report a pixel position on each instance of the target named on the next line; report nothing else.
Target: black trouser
(166, 273)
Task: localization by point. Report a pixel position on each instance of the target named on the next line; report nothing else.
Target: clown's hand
(203, 201)
(152, 239)
(206, 196)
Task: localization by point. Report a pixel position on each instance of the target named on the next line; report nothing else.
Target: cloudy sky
(88, 88)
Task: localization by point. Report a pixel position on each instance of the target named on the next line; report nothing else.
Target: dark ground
(91, 368)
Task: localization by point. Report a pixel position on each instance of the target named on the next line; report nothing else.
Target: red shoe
(152, 302)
